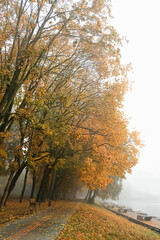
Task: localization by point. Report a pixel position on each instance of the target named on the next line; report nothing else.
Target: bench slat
(33, 202)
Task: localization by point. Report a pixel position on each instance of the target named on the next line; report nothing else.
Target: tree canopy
(62, 85)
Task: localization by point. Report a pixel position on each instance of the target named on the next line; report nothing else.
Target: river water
(151, 208)
(148, 204)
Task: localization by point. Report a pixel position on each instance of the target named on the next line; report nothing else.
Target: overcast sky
(139, 21)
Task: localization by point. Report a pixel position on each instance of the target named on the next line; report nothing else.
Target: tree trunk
(55, 192)
(6, 103)
(24, 186)
(52, 192)
(44, 181)
(33, 184)
(5, 194)
(45, 190)
(52, 181)
(88, 195)
(6, 119)
(14, 180)
(92, 197)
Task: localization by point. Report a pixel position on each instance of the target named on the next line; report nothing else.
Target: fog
(139, 200)
(141, 188)
(18, 187)
(139, 22)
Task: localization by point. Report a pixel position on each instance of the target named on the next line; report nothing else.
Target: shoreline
(153, 224)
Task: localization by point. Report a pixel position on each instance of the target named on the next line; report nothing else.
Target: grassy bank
(94, 222)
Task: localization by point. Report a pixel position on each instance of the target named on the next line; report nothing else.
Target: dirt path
(40, 226)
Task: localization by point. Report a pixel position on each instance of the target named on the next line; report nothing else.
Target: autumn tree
(62, 86)
(112, 150)
(37, 41)
(38, 38)
(112, 190)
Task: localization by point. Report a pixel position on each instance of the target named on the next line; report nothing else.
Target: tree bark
(52, 181)
(44, 181)
(88, 194)
(33, 184)
(24, 186)
(52, 187)
(14, 180)
(92, 196)
(3, 199)
(55, 192)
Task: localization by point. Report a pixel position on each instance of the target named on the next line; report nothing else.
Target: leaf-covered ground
(15, 210)
(44, 225)
(87, 222)
(93, 222)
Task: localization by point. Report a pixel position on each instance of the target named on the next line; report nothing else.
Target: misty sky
(139, 21)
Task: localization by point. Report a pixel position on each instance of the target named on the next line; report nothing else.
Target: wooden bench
(32, 202)
(110, 206)
(141, 213)
(130, 209)
(122, 210)
(144, 217)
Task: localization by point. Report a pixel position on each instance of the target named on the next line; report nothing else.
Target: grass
(94, 222)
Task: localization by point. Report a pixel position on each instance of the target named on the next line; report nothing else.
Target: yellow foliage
(3, 154)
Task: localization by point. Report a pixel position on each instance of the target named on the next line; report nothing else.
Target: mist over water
(139, 200)
(150, 207)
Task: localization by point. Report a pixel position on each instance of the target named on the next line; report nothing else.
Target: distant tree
(112, 190)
